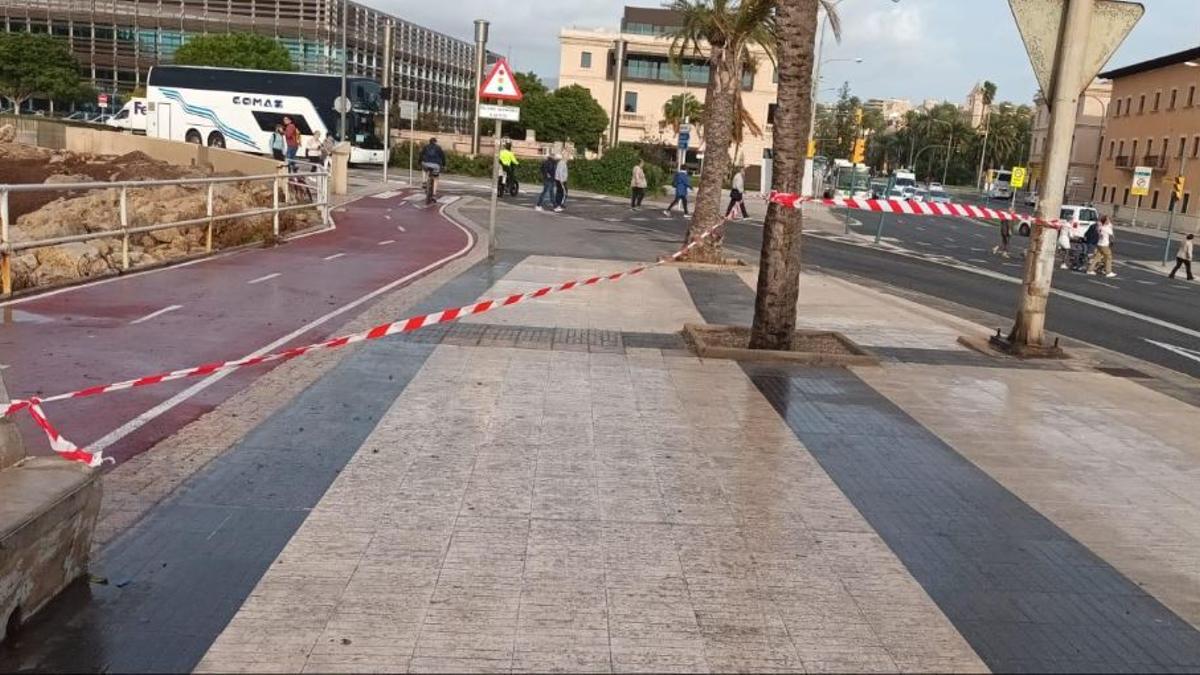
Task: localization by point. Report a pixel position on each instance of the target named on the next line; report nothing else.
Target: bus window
(268, 120)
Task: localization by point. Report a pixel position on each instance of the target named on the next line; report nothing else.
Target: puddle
(11, 315)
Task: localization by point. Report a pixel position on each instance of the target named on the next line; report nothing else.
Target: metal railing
(314, 183)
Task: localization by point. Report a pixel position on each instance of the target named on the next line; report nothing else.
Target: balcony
(1124, 162)
(633, 120)
(1156, 161)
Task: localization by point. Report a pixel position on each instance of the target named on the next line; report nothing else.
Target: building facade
(1153, 121)
(892, 109)
(974, 108)
(118, 41)
(1090, 119)
(647, 80)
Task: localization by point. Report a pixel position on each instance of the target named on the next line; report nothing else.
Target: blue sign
(684, 137)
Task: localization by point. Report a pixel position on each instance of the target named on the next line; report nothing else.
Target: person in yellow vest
(508, 164)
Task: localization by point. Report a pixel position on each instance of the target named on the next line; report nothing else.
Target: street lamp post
(481, 38)
(344, 104)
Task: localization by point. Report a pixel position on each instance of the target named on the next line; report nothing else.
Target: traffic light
(812, 149)
(860, 151)
(1177, 188)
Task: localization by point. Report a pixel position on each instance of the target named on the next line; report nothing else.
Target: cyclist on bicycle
(508, 163)
(433, 161)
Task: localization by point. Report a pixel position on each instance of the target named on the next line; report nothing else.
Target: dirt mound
(41, 215)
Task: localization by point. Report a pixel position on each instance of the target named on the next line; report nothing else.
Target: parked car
(1030, 199)
(1079, 217)
(939, 196)
(919, 195)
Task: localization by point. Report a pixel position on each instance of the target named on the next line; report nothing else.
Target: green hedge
(609, 174)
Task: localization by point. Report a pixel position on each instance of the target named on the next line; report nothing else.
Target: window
(1128, 105)
(1154, 200)
(1104, 193)
(630, 102)
(1166, 150)
(1125, 198)
(1116, 110)
(1174, 97)
(1191, 96)
(1187, 201)
(1149, 146)
(1111, 145)
(1121, 149)
(1157, 100)
(1133, 152)
(1141, 104)
(771, 113)
(1196, 147)
(1182, 147)
(585, 59)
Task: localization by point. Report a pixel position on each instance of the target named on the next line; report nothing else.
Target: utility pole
(1029, 330)
(389, 31)
(345, 103)
(949, 149)
(481, 38)
(617, 108)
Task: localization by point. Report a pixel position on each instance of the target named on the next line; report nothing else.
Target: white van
(131, 116)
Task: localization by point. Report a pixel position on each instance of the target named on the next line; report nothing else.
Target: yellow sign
(1141, 181)
(1018, 177)
(812, 149)
(860, 151)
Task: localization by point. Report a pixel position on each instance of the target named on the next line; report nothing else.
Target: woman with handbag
(736, 198)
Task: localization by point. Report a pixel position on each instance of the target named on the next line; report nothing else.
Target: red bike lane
(225, 307)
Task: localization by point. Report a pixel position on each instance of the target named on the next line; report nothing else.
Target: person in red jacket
(291, 137)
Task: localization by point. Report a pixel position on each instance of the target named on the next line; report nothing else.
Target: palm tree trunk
(725, 76)
(779, 265)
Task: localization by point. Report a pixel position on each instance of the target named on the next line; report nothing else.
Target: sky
(914, 49)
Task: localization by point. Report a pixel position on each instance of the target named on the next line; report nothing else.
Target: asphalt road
(1139, 313)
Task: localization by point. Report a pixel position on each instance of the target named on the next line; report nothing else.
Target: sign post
(499, 85)
(408, 111)
(1176, 195)
(1017, 180)
(1140, 187)
(685, 137)
(102, 101)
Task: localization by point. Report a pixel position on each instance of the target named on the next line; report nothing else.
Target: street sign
(500, 84)
(1141, 181)
(1040, 24)
(684, 138)
(1018, 177)
(102, 100)
(685, 128)
(408, 110)
(341, 105)
(508, 113)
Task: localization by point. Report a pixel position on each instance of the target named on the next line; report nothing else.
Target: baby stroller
(1077, 257)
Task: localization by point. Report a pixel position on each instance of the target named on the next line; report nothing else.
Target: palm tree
(723, 31)
(680, 108)
(779, 265)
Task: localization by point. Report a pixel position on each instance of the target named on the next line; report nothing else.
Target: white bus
(238, 109)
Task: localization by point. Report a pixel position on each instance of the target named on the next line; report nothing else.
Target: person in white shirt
(736, 198)
(1183, 258)
(1064, 246)
(1104, 246)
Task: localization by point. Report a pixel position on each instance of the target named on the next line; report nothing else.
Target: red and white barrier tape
(907, 207)
(68, 450)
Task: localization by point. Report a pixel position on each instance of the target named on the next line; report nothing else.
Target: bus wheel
(192, 136)
(216, 140)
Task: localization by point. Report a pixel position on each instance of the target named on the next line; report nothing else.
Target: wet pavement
(561, 486)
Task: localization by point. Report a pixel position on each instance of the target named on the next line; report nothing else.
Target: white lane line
(1101, 283)
(141, 420)
(385, 242)
(1144, 282)
(335, 256)
(151, 315)
(386, 195)
(1182, 351)
(401, 228)
(264, 278)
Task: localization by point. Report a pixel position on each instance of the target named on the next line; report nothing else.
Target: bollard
(5, 256)
(209, 229)
(124, 229)
(275, 205)
(879, 230)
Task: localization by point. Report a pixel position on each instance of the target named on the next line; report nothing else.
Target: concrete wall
(11, 449)
(61, 135)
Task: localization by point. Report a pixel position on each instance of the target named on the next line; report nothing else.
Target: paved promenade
(562, 486)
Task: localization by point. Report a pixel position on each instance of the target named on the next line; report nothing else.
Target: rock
(8, 133)
(60, 178)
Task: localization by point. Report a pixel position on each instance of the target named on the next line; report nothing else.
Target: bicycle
(431, 175)
(507, 182)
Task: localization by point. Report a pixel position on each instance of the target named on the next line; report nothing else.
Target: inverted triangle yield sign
(500, 84)
(1040, 21)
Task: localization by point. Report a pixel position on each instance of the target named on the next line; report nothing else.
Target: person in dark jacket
(433, 162)
(549, 184)
(682, 184)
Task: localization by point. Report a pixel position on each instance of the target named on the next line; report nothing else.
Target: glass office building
(117, 41)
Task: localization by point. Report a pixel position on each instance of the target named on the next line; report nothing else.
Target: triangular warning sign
(500, 84)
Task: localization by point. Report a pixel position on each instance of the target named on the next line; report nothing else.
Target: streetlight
(938, 145)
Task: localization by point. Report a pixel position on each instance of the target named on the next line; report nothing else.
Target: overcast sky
(914, 49)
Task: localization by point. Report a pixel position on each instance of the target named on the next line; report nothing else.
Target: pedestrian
(312, 150)
(1090, 238)
(1104, 244)
(682, 184)
(508, 164)
(1183, 258)
(1064, 246)
(736, 198)
(547, 170)
(277, 143)
(326, 150)
(1005, 235)
(291, 137)
(637, 186)
(560, 183)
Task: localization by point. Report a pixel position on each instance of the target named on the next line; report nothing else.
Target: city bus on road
(238, 109)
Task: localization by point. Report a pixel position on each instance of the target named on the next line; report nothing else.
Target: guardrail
(289, 184)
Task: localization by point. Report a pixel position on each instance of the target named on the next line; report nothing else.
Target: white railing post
(325, 217)
(5, 256)
(208, 211)
(275, 205)
(124, 228)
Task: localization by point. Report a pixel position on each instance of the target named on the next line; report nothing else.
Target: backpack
(1092, 236)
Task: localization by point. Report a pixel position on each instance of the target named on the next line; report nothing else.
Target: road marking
(1182, 351)
(1143, 281)
(386, 195)
(385, 242)
(264, 278)
(334, 256)
(1101, 283)
(386, 217)
(1100, 304)
(977, 260)
(141, 420)
(151, 315)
